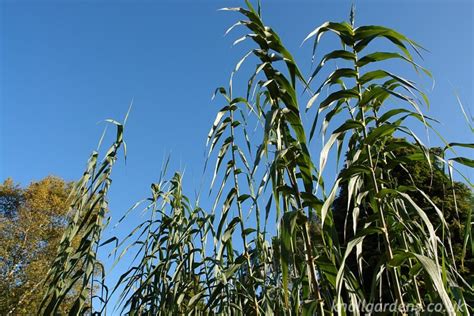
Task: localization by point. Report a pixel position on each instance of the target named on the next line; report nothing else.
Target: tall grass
(218, 261)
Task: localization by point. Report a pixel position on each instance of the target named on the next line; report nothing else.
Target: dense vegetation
(455, 199)
(32, 221)
(229, 259)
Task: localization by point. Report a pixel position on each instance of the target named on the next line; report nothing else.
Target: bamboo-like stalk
(388, 247)
(296, 272)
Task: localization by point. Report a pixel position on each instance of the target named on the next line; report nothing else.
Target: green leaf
(465, 161)
(336, 54)
(466, 145)
(338, 95)
(435, 275)
(343, 30)
(334, 77)
(349, 124)
(380, 132)
(365, 34)
(381, 56)
(328, 202)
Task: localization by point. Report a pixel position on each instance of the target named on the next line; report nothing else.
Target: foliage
(32, 221)
(76, 266)
(227, 260)
(455, 200)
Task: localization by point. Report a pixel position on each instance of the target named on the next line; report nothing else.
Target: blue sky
(65, 66)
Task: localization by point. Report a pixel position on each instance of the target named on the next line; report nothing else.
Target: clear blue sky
(67, 65)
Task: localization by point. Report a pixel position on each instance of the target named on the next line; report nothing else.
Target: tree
(32, 221)
(454, 199)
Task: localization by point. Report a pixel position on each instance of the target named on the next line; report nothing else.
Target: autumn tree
(32, 221)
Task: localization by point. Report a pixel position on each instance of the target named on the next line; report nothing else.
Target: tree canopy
(32, 222)
(453, 198)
